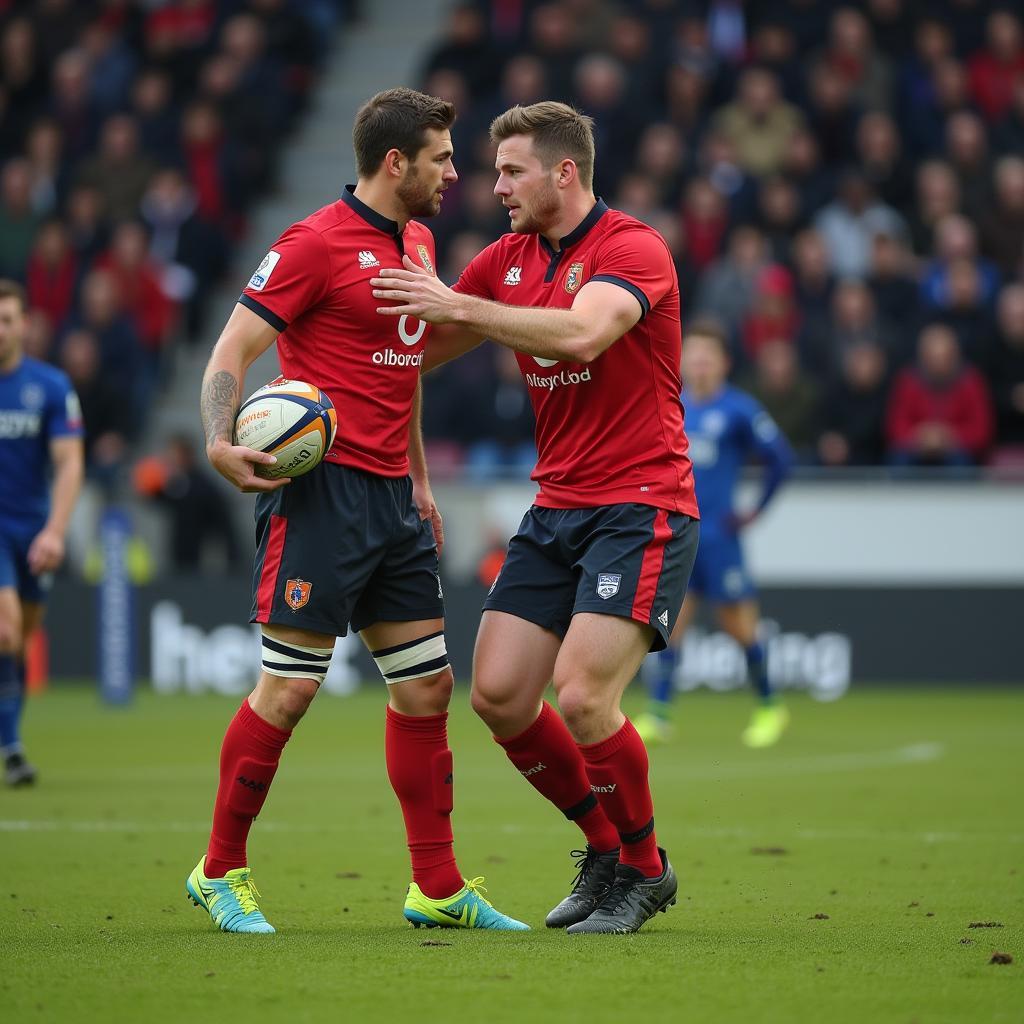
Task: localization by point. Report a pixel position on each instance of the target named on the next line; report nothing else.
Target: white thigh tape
(295, 662)
(412, 660)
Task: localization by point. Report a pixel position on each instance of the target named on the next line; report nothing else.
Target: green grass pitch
(835, 878)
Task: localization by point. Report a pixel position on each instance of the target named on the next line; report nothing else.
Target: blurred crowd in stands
(134, 137)
(841, 185)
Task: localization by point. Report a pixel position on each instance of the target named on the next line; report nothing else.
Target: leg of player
(17, 771)
(512, 665)
(413, 660)
(599, 657)
(770, 717)
(295, 662)
(655, 724)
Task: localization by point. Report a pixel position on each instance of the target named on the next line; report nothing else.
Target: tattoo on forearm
(218, 405)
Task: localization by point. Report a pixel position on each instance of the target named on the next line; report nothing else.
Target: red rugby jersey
(313, 286)
(608, 432)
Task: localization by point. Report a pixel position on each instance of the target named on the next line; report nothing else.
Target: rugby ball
(290, 419)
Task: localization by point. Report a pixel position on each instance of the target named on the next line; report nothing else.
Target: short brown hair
(13, 290)
(709, 327)
(396, 119)
(558, 132)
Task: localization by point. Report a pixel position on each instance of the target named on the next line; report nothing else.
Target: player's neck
(11, 363)
(572, 215)
(382, 199)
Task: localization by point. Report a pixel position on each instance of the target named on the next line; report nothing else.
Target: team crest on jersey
(425, 258)
(513, 275)
(296, 593)
(574, 278)
(608, 584)
(33, 397)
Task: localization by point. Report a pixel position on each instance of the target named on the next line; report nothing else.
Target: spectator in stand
(18, 221)
(773, 47)
(813, 282)
(599, 88)
(891, 24)
(101, 313)
(881, 160)
(1007, 367)
(773, 313)
(938, 196)
(467, 49)
(49, 174)
(670, 227)
(291, 40)
(706, 220)
(727, 288)
(686, 99)
(832, 113)
(157, 116)
(849, 223)
(994, 70)
(933, 43)
(1008, 133)
(119, 170)
(1002, 229)
(202, 532)
(500, 444)
(52, 273)
(788, 395)
(894, 288)
(853, 413)
(629, 41)
(193, 253)
(967, 152)
(210, 162)
(778, 207)
(22, 75)
(759, 123)
(86, 221)
(71, 104)
(661, 156)
(854, 320)
(852, 55)
(717, 162)
(554, 39)
(110, 423)
(940, 409)
(38, 343)
(803, 167)
(112, 66)
(139, 284)
(955, 239)
(966, 311)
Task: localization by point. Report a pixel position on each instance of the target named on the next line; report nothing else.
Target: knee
(436, 691)
(581, 706)
(292, 698)
(503, 710)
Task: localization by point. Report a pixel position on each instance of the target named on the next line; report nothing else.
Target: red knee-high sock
(248, 760)
(617, 769)
(420, 769)
(548, 758)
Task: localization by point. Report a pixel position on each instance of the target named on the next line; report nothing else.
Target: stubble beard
(418, 200)
(543, 210)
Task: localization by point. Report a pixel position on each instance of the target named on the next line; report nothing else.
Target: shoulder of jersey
(45, 372)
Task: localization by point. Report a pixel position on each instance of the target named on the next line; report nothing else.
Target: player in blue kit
(40, 428)
(726, 427)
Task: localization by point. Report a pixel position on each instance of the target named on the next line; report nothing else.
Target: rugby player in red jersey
(588, 299)
(354, 542)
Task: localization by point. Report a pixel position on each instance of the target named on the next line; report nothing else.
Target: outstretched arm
(601, 314)
(245, 337)
(46, 551)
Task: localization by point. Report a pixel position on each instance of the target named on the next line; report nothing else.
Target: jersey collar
(372, 217)
(579, 232)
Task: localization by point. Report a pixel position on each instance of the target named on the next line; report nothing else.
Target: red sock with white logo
(617, 769)
(420, 769)
(249, 757)
(547, 757)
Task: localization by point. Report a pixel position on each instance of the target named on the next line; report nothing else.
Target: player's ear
(567, 173)
(393, 162)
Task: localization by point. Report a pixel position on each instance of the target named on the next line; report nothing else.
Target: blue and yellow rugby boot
(466, 909)
(230, 901)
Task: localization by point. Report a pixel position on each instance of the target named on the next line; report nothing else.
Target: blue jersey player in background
(726, 428)
(40, 429)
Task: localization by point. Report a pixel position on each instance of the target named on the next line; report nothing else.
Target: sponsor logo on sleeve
(259, 280)
(425, 258)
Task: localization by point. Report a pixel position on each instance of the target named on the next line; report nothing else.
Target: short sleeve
(63, 411)
(477, 278)
(293, 277)
(638, 260)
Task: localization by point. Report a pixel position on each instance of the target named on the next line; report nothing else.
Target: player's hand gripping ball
(290, 419)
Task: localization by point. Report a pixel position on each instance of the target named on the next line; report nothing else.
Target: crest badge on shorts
(425, 258)
(296, 593)
(608, 584)
(574, 278)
